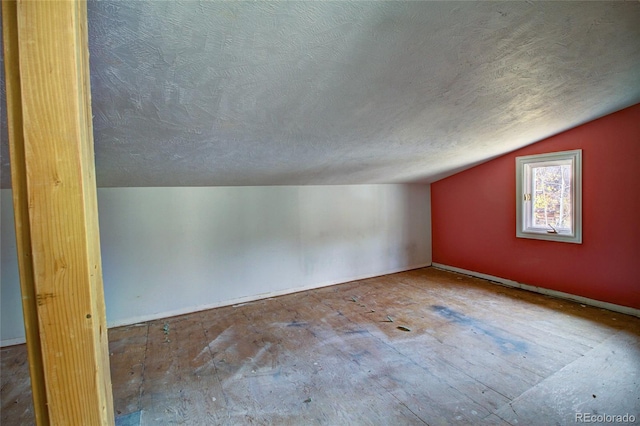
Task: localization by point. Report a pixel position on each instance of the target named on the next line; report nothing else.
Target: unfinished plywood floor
(476, 353)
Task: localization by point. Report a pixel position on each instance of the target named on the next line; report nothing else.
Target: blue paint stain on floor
(132, 419)
(359, 331)
(506, 343)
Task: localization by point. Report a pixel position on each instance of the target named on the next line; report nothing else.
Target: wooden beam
(55, 205)
(20, 207)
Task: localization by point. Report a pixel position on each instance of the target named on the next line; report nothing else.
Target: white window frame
(524, 189)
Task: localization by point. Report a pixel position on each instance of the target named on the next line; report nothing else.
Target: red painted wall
(474, 218)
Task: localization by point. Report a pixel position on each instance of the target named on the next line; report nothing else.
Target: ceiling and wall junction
(209, 93)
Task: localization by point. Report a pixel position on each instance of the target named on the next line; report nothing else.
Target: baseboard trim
(234, 302)
(12, 342)
(254, 298)
(554, 293)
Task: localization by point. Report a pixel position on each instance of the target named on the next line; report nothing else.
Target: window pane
(549, 194)
(552, 197)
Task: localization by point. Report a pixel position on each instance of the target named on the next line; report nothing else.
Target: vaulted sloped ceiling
(190, 93)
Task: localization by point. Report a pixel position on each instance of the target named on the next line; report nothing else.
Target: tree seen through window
(552, 197)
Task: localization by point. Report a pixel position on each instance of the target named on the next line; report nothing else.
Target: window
(549, 196)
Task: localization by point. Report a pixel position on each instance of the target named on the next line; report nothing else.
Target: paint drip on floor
(131, 419)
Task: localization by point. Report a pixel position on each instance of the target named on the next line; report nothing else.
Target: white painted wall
(167, 251)
(11, 325)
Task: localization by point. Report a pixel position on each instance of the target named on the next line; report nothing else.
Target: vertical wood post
(56, 214)
(20, 208)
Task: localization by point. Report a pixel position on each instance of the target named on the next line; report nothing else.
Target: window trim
(522, 163)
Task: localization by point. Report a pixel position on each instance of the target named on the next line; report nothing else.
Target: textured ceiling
(263, 93)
